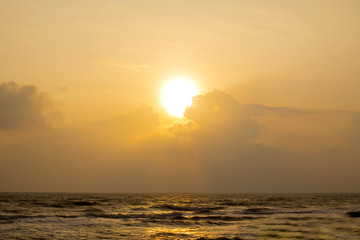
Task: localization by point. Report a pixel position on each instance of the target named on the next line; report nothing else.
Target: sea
(178, 216)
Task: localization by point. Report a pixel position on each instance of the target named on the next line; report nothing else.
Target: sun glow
(177, 95)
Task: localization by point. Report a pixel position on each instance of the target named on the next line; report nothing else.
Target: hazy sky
(278, 110)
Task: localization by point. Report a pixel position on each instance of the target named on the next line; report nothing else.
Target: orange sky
(80, 96)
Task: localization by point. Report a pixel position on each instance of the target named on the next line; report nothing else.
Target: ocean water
(178, 216)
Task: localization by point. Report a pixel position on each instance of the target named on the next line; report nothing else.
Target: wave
(188, 208)
(268, 211)
(172, 215)
(139, 209)
(354, 214)
(97, 213)
(219, 238)
(222, 218)
(83, 203)
(15, 217)
(229, 202)
(93, 210)
(260, 211)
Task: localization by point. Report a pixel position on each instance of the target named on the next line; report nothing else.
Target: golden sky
(81, 85)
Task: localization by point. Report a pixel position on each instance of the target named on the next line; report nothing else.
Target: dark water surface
(178, 216)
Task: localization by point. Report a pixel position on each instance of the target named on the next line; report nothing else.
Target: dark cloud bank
(214, 151)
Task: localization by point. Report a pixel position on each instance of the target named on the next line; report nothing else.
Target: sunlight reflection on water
(178, 216)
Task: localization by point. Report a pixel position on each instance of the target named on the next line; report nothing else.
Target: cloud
(221, 118)
(142, 120)
(64, 89)
(259, 109)
(216, 150)
(24, 107)
(352, 133)
(139, 122)
(357, 119)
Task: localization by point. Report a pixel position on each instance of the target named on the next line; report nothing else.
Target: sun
(177, 94)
